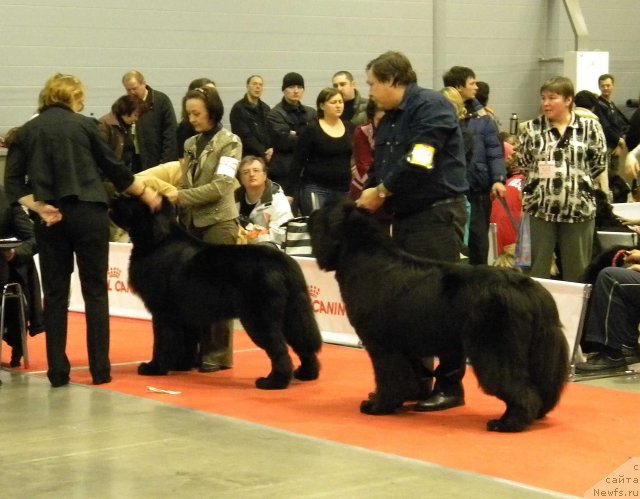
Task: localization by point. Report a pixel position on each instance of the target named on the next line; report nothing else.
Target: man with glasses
(260, 201)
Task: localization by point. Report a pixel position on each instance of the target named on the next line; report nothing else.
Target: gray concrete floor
(80, 441)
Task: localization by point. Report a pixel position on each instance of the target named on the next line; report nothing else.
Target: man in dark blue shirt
(419, 176)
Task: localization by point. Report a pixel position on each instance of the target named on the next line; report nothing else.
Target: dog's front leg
(164, 334)
(391, 373)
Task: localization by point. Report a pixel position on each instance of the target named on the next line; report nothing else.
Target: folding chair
(13, 291)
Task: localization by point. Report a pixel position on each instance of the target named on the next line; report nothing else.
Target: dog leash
(504, 204)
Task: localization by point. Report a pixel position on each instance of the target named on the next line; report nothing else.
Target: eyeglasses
(255, 171)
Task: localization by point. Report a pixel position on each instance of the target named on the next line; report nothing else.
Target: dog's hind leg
(281, 367)
(264, 330)
(509, 381)
(395, 379)
(522, 410)
(301, 332)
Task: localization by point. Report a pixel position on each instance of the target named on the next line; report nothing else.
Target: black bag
(297, 241)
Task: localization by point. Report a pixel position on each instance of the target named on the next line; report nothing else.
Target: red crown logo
(114, 272)
(314, 291)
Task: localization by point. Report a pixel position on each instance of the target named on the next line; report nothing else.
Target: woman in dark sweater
(323, 156)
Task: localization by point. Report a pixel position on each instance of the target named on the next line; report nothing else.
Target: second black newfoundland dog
(405, 308)
(188, 284)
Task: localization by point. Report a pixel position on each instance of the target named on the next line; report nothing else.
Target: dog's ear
(163, 220)
(121, 210)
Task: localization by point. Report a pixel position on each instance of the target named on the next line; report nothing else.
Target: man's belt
(440, 202)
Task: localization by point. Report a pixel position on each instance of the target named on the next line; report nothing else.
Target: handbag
(522, 257)
(297, 241)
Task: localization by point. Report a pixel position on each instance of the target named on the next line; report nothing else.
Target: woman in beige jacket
(202, 185)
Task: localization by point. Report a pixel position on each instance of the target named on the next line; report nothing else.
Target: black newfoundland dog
(405, 308)
(187, 284)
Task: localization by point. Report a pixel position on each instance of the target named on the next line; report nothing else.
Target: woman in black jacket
(55, 167)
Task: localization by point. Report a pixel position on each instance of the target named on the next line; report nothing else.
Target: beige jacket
(205, 184)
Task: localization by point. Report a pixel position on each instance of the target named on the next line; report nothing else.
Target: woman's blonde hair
(61, 89)
(453, 96)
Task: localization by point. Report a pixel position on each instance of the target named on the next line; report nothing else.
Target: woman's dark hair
(370, 110)
(393, 67)
(324, 95)
(483, 92)
(212, 102)
(586, 99)
(457, 76)
(127, 105)
(200, 82)
(197, 83)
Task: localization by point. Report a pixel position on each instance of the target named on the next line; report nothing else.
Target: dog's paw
(273, 382)
(151, 369)
(504, 425)
(373, 408)
(308, 371)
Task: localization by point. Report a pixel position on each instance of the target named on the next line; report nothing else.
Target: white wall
(173, 42)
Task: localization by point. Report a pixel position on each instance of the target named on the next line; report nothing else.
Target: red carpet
(592, 432)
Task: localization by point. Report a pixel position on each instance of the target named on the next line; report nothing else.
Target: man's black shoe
(601, 363)
(439, 401)
(631, 354)
(206, 367)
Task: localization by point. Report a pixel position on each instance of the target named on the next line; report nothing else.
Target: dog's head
(339, 226)
(144, 227)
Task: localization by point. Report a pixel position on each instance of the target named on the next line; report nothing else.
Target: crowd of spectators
(275, 163)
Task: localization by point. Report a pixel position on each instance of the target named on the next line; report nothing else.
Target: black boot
(447, 393)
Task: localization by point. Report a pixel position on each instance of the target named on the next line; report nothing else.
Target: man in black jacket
(249, 121)
(286, 121)
(614, 123)
(155, 134)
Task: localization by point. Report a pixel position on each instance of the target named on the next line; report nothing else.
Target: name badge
(422, 155)
(546, 169)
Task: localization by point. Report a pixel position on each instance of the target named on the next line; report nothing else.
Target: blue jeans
(322, 194)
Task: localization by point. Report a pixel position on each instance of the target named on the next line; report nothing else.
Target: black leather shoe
(439, 401)
(211, 368)
(16, 355)
(601, 363)
(631, 354)
(102, 380)
(58, 380)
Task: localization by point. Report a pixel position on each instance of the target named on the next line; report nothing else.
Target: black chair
(13, 291)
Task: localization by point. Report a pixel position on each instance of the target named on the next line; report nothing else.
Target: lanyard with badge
(553, 153)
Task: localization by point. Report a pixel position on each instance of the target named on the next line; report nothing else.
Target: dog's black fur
(188, 284)
(405, 308)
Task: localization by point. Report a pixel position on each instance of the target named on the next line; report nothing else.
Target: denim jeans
(322, 195)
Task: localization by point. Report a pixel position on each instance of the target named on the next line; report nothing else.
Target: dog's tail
(549, 352)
